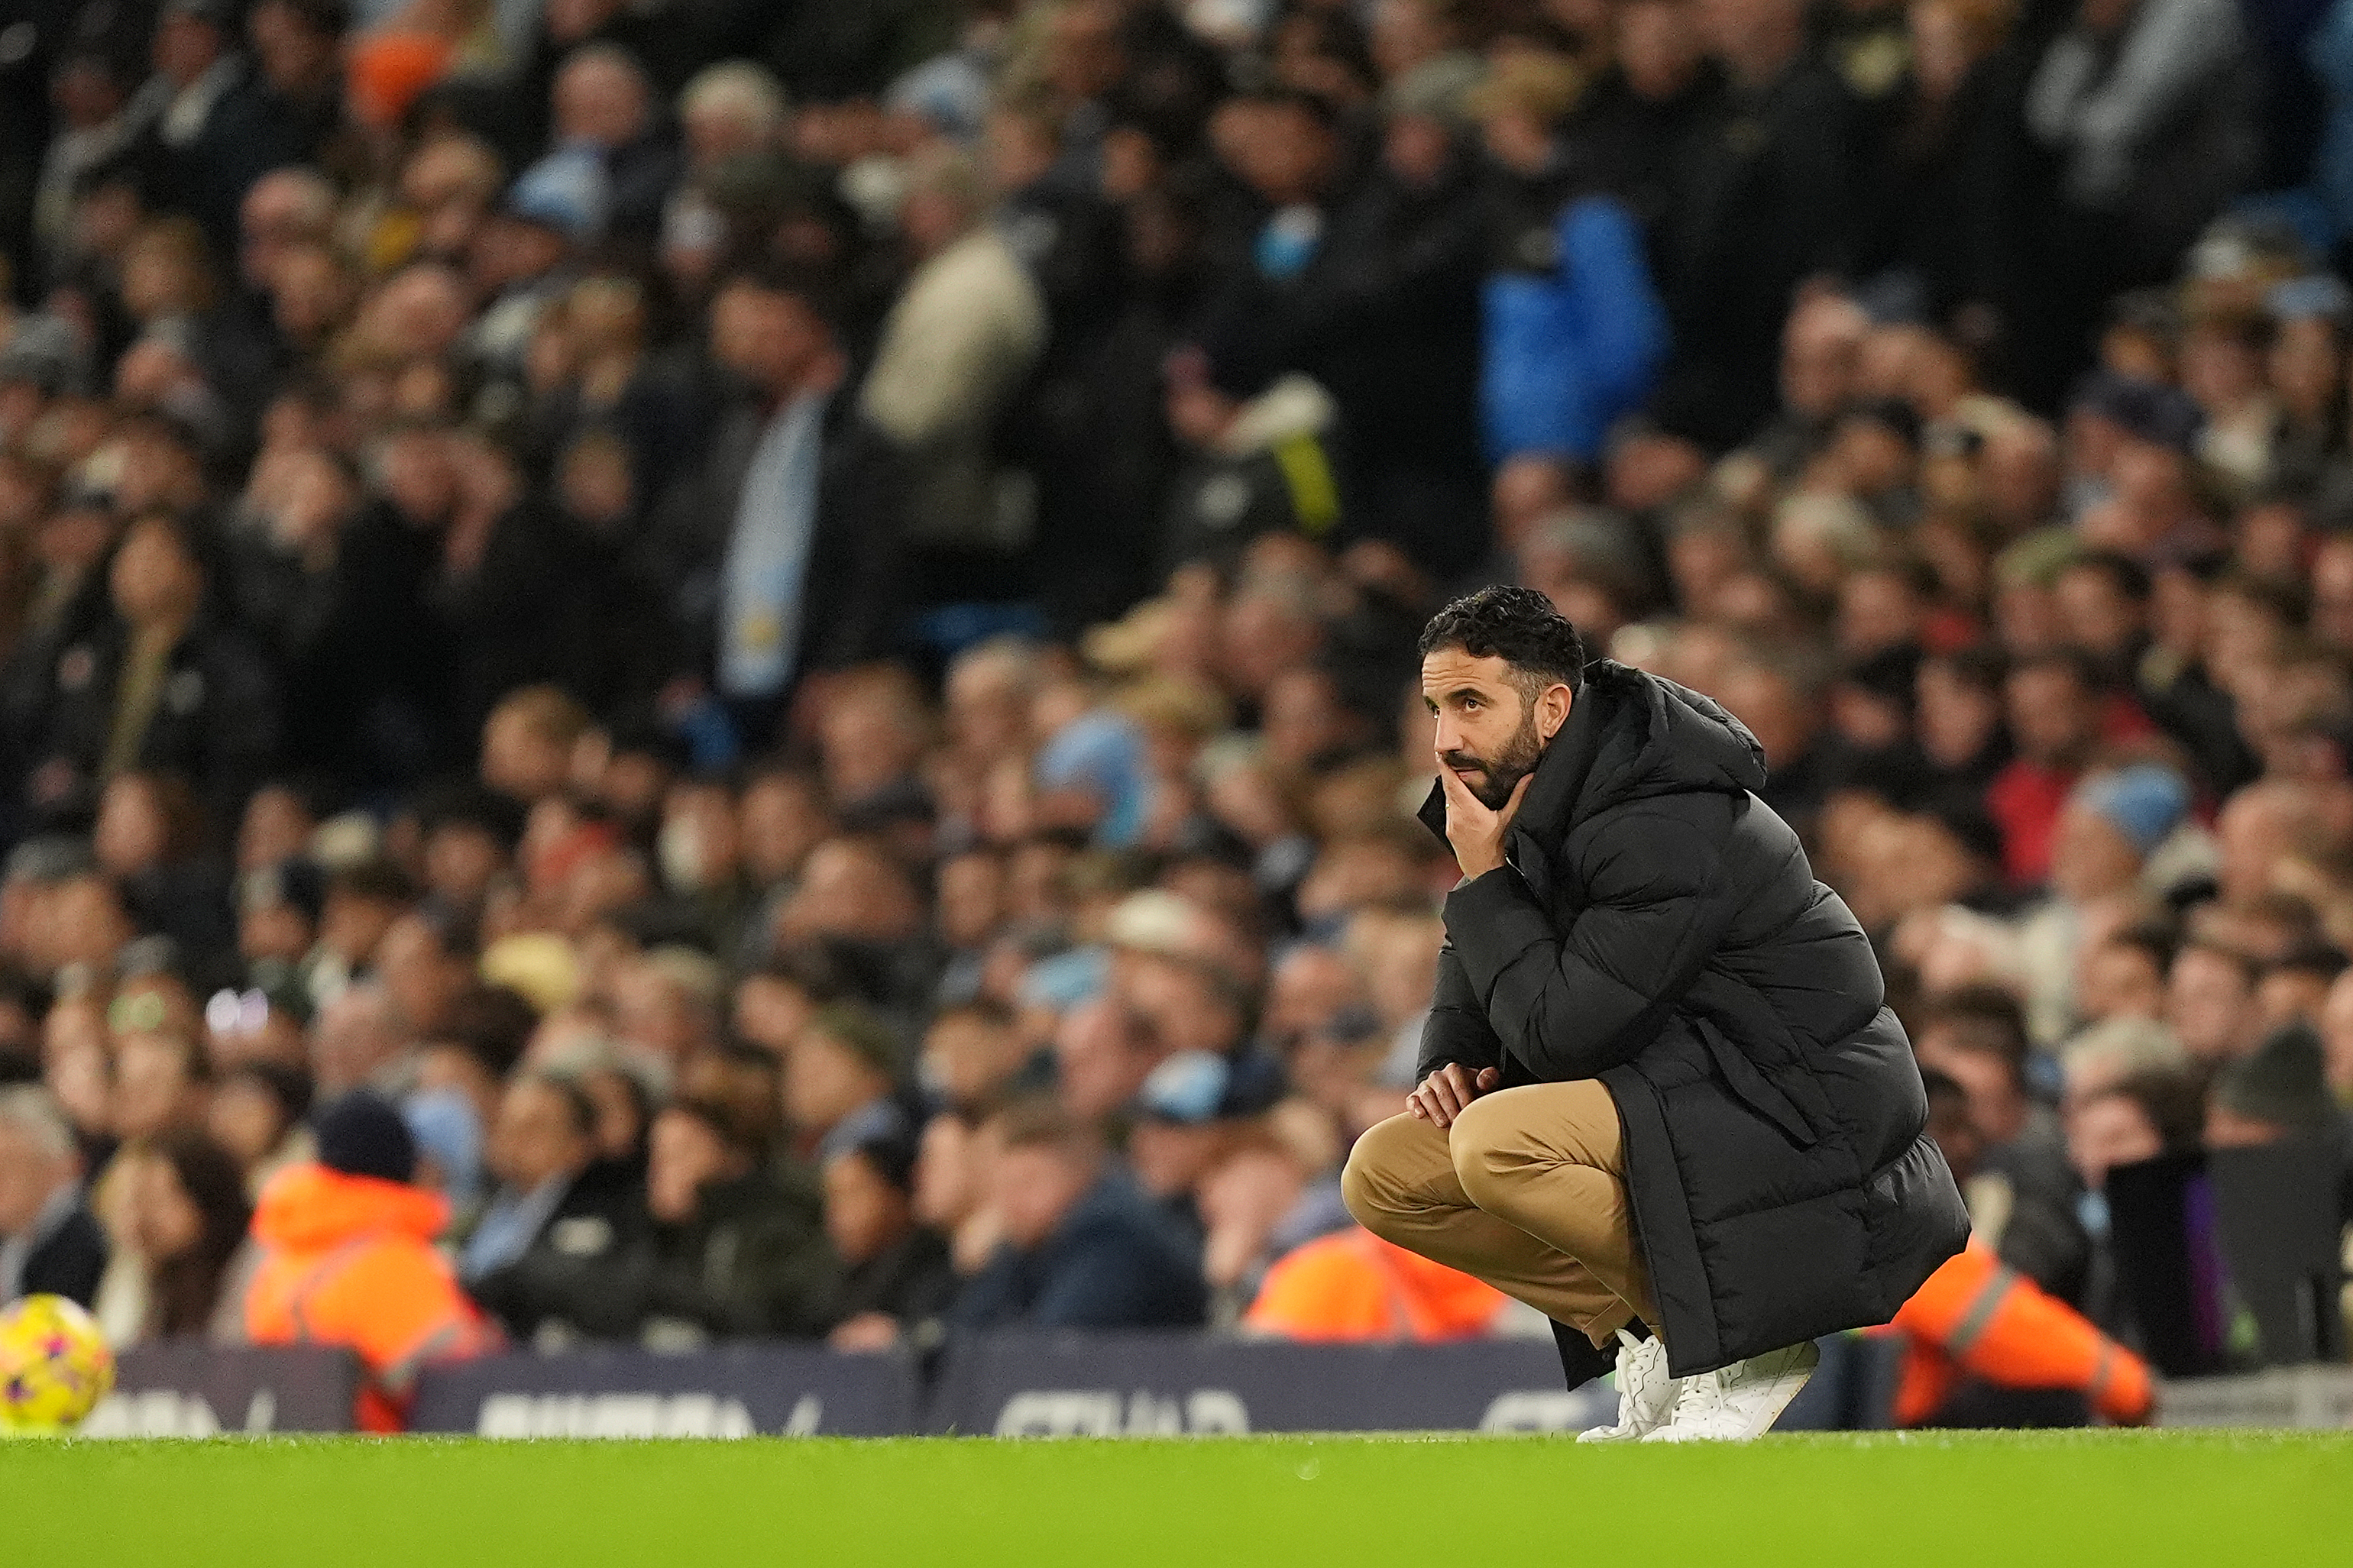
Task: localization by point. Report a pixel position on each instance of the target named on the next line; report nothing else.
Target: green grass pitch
(2125, 1497)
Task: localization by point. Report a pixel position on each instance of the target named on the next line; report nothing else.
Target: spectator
(256, 1115)
(2054, 718)
(159, 1083)
(50, 1243)
(185, 1198)
(558, 1219)
(157, 687)
(1783, 185)
(1573, 333)
(1082, 1248)
(796, 506)
(839, 1081)
(346, 1258)
(957, 343)
(2148, 109)
(206, 130)
(737, 1248)
(2210, 1003)
(2022, 1201)
(896, 1277)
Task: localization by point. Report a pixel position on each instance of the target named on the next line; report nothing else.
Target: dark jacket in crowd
(214, 723)
(1632, 144)
(544, 603)
(366, 675)
(567, 1274)
(1114, 1262)
(207, 175)
(1392, 332)
(68, 1261)
(914, 1280)
(2042, 1235)
(753, 1263)
(1952, 198)
(1767, 201)
(849, 598)
(1659, 929)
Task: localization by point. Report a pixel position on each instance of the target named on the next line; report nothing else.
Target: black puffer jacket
(1660, 930)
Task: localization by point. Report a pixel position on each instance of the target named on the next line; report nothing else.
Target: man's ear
(1552, 708)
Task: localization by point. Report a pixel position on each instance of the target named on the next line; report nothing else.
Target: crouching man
(1661, 1097)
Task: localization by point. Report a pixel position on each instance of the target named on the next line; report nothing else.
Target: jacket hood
(1630, 735)
(308, 1207)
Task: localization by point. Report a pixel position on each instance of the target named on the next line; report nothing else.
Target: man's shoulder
(1115, 1217)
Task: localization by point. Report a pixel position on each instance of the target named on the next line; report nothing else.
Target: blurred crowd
(680, 669)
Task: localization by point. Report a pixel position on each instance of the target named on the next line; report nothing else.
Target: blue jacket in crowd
(1114, 1262)
(1571, 347)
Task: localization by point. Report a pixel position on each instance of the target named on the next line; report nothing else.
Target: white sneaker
(1646, 1394)
(1740, 1402)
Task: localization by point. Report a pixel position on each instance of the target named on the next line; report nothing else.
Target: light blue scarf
(768, 552)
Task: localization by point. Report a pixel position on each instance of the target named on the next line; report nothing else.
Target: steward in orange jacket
(348, 1259)
(1977, 1317)
(1354, 1286)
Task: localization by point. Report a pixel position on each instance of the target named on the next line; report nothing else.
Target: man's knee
(1372, 1182)
(1482, 1143)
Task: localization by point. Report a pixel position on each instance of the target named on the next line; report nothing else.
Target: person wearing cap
(347, 1259)
(1186, 1116)
(2103, 851)
(1082, 1247)
(896, 1275)
(2152, 507)
(552, 210)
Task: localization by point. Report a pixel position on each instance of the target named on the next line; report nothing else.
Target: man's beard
(1499, 777)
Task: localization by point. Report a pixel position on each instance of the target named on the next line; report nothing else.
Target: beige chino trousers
(1527, 1191)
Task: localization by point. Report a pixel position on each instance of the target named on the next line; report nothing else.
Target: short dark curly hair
(1518, 626)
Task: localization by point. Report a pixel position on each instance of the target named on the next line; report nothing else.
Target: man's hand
(1444, 1093)
(1476, 831)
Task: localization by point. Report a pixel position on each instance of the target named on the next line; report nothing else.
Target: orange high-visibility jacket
(1976, 1315)
(349, 1260)
(1354, 1286)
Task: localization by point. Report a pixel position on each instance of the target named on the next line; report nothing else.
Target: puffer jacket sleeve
(1457, 1031)
(1570, 1006)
